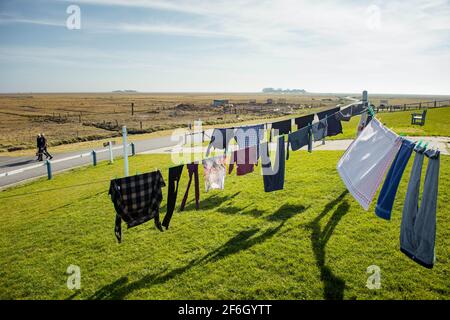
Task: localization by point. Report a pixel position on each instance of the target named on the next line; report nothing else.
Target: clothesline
(108, 180)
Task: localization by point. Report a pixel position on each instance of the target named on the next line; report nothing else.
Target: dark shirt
(137, 199)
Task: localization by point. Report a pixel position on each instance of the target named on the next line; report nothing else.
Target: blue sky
(226, 45)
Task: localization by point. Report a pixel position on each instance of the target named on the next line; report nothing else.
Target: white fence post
(111, 156)
(125, 150)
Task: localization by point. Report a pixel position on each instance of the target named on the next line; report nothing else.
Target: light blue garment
(418, 228)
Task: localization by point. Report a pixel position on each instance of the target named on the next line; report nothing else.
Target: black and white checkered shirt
(137, 199)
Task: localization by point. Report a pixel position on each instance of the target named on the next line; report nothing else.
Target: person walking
(39, 146)
(44, 147)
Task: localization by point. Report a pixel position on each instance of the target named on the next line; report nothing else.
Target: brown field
(71, 118)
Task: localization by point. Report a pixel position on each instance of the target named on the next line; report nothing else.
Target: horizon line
(218, 92)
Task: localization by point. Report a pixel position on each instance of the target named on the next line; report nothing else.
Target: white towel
(364, 164)
(214, 172)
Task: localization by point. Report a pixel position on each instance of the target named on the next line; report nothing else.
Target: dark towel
(304, 121)
(298, 139)
(319, 129)
(334, 125)
(283, 127)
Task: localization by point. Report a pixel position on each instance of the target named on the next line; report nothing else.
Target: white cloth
(362, 123)
(364, 164)
(214, 173)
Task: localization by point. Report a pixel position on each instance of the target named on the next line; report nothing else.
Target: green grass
(309, 241)
(436, 124)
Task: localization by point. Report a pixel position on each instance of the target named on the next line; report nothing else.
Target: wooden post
(125, 150)
(435, 103)
(140, 122)
(132, 108)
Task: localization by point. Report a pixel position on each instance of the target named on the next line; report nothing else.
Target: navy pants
(390, 186)
(273, 176)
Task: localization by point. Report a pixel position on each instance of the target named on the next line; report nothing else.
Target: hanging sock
(174, 180)
(390, 186)
(418, 227)
(365, 162)
(193, 171)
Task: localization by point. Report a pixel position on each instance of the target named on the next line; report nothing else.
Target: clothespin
(370, 111)
(425, 146)
(419, 143)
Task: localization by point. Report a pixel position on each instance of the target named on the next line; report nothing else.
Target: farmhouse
(220, 103)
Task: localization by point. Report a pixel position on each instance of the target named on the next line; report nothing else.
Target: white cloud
(319, 45)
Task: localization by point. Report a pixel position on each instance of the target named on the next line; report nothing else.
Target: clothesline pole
(125, 150)
(365, 96)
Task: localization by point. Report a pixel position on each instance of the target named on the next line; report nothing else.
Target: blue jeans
(390, 186)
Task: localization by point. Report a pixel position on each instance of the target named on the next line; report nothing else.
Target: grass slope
(309, 241)
(436, 124)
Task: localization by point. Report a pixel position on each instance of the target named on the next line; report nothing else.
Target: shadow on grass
(286, 211)
(333, 285)
(211, 202)
(240, 242)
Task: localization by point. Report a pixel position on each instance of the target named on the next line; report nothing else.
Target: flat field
(74, 118)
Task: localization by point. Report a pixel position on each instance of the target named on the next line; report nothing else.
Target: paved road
(156, 145)
(8, 164)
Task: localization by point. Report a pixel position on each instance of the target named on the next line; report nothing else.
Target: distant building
(384, 103)
(252, 101)
(269, 101)
(220, 103)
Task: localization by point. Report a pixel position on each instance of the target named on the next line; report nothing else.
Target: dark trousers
(174, 180)
(46, 153)
(273, 176)
(193, 171)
